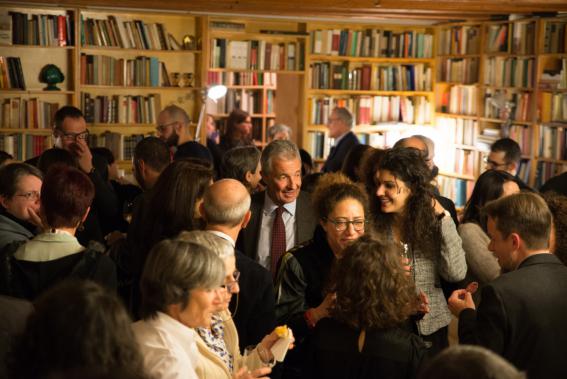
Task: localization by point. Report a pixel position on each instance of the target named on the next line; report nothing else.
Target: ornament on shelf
(51, 75)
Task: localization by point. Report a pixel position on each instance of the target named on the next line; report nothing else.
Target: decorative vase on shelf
(51, 74)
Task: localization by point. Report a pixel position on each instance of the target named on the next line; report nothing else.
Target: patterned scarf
(214, 339)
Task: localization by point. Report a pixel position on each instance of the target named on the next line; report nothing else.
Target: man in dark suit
(226, 209)
(281, 172)
(340, 125)
(522, 313)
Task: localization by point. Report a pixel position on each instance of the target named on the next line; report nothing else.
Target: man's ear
(516, 240)
(246, 219)
(86, 214)
(513, 168)
(248, 176)
(3, 201)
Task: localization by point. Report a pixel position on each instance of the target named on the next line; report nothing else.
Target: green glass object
(51, 74)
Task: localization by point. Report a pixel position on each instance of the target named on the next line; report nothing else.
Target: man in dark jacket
(340, 126)
(522, 313)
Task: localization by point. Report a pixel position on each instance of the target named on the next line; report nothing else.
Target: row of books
(459, 99)
(520, 102)
(257, 55)
(523, 135)
(459, 70)
(462, 161)
(11, 73)
(327, 75)
(374, 43)
(524, 170)
(243, 78)
(486, 138)
(122, 146)
(318, 144)
(30, 113)
(497, 38)
(459, 40)
(410, 77)
(509, 72)
(127, 34)
(555, 37)
(523, 38)
(553, 106)
(120, 109)
(39, 29)
(251, 101)
(456, 130)
(109, 71)
(553, 143)
(371, 110)
(457, 189)
(547, 170)
(13, 144)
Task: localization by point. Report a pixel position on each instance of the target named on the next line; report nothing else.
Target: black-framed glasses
(31, 195)
(72, 136)
(341, 225)
(231, 285)
(162, 127)
(493, 164)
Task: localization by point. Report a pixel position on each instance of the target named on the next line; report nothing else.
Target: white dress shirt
(224, 236)
(168, 347)
(265, 235)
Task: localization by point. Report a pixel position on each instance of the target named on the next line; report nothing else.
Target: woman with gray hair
(180, 288)
(279, 131)
(218, 344)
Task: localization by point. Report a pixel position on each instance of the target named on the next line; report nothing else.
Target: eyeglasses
(72, 136)
(342, 225)
(493, 164)
(231, 285)
(161, 128)
(32, 195)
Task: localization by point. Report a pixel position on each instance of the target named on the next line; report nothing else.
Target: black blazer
(253, 310)
(305, 222)
(338, 153)
(522, 317)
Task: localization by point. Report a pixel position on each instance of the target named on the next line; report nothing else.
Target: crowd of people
(230, 262)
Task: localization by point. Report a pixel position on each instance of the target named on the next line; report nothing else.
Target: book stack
(459, 40)
(243, 78)
(553, 107)
(459, 99)
(127, 34)
(27, 113)
(553, 143)
(486, 138)
(42, 30)
(555, 37)
(509, 72)
(407, 77)
(120, 109)
(326, 75)
(11, 73)
(523, 135)
(109, 71)
(497, 38)
(372, 43)
(319, 144)
(523, 38)
(456, 131)
(35, 145)
(459, 70)
(257, 55)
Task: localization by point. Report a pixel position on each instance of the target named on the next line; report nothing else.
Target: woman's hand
(323, 309)
(35, 219)
(423, 306)
(260, 373)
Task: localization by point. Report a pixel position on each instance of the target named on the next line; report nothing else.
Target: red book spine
(62, 30)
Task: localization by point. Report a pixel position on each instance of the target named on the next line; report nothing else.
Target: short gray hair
(218, 245)
(278, 128)
(344, 115)
(429, 143)
(220, 212)
(282, 149)
(175, 267)
(177, 114)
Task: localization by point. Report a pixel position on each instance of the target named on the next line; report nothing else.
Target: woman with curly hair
(76, 325)
(364, 337)
(300, 297)
(406, 212)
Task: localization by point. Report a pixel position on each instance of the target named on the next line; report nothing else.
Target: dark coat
(253, 310)
(338, 153)
(556, 184)
(393, 353)
(305, 221)
(522, 317)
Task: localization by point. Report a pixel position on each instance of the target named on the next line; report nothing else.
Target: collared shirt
(168, 347)
(224, 236)
(265, 235)
(338, 139)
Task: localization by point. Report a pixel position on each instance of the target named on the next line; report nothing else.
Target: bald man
(226, 210)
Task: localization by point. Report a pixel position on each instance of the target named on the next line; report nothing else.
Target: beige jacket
(212, 367)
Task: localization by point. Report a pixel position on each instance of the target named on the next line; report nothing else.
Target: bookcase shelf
(394, 60)
(102, 50)
(18, 46)
(371, 92)
(279, 72)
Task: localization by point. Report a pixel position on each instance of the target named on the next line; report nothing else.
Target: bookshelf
(383, 74)
(262, 64)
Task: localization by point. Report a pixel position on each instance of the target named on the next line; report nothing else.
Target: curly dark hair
(557, 204)
(368, 175)
(418, 226)
(331, 189)
(353, 161)
(373, 290)
(76, 324)
(489, 186)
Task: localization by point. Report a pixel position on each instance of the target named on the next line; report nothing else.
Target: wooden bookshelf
(383, 74)
(262, 64)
